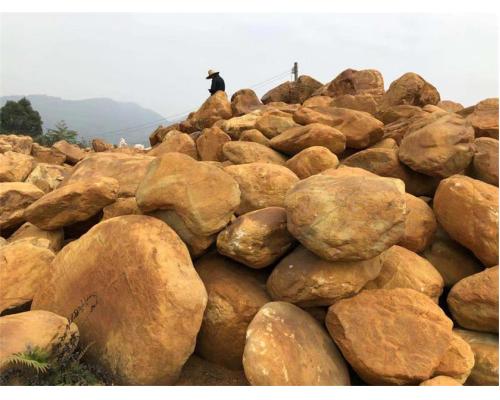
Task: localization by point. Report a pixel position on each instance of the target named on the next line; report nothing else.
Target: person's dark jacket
(217, 84)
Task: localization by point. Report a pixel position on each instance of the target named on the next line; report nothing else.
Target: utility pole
(295, 71)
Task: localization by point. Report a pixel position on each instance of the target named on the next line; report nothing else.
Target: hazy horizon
(159, 61)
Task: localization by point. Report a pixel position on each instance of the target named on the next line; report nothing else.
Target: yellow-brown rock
(244, 101)
(53, 240)
(354, 82)
(346, 218)
(254, 135)
(15, 167)
(72, 152)
(420, 224)
(440, 380)
(215, 108)
(458, 360)
(305, 279)
(14, 198)
(312, 161)
(272, 125)
(473, 301)
(467, 209)
(376, 332)
(17, 143)
(181, 143)
(286, 346)
(484, 118)
(144, 300)
(256, 239)
(47, 177)
(121, 206)
(209, 144)
(485, 162)
(241, 152)
(261, 184)
(47, 155)
(99, 145)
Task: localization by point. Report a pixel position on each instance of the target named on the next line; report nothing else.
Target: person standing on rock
(217, 82)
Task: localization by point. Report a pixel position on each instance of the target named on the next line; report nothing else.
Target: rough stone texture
(47, 177)
(387, 143)
(458, 360)
(72, 152)
(159, 133)
(376, 332)
(420, 224)
(235, 294)
(485, 162)
(72, 203)
(484, 118)
(399, 113)
(181, 143)
(286, 346)
(441, 148)
(24, 269)
(360, 128)
(47, 155)
(200, 372)
(41, 329)
(244, 101)
(127, 169)
(53, 240)
(148, 299)
(197, 244)
(485, 349)
(473, 301)
(312, 161)
(256, 239)
(240, 152)
(262, 185)
(318, 101)
(440, 380)
(294, 140)
(467, 209)
(450, 106)
(17, 143)
(272, 125)
(209, 144)
(14, 198)
(216, 107)
(453, 261)
(409, 89)
(347, 218)
(305, 279)
(354, 82)
(99, 145)
(203, 195)
(15, 167)
(292, 92)
(361, 102)
(121, 206)
(235, 126)
(254, 135)
(401, 268)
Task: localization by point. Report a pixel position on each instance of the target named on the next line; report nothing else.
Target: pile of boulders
(329, 234)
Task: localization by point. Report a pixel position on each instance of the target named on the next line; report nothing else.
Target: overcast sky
(160, 60)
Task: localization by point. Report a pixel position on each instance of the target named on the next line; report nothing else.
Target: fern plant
(33, 358)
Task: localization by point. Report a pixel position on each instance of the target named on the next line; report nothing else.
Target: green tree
(19, 117)
(60, 132)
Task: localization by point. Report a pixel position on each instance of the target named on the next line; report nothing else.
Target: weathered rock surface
(473, 301)
(121, 206)
(375, 330)
(440, 380)
(99, 145)
(209, 144)
(14, 198)
(72, 152)
(272, 125)
(15, 167)
(200, 372)
(24, 269)
(312, 161)
(441, 148)
(286, 346)
(53, 240)
(254, 135)
(244, 101)
(17, 143)
(256, 239)
(333, 218)
(241, 152)
(484, 118)
(72, 203)
(360, 102)
(47, 155)
(467, 209)
(203, 195)
(360, 129)
(305, 279)
(354, 82)
(33, 329)
(215, 108)
(450, 106)
(485, 162)
(420, 224)
(292, 92)
(139, 290)
(294, 140)
(402, 268)
(127, 169)
(485, 349)
(262, 185)
(235, 294)
(47, 177)
(181, 143)
(458, 360)
(235, 126)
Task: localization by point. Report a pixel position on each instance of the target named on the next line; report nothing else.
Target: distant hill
(99, 117)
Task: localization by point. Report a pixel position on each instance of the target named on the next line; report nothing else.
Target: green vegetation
(19, 117)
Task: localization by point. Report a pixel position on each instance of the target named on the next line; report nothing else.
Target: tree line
(19, 117)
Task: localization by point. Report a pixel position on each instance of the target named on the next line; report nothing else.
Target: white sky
(160, 60)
